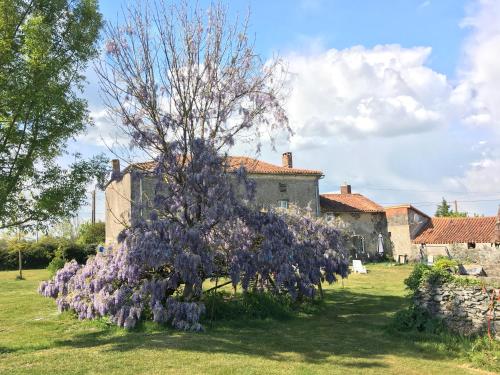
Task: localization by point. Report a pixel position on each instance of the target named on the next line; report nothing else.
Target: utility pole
(93, 206)
(456, 207)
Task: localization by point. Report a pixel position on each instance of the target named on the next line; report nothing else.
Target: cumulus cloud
(104, 132)
(478, 91)
(359, 92)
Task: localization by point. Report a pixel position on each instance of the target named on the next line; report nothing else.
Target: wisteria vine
(198, 229)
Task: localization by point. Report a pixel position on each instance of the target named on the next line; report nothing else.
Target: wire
(370, 187)
(458, 201)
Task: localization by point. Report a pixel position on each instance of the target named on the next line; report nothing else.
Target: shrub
(444, 263)
(90, 234)
(422, 273)
(39, 254)
(415, 318)
(70, 250)
(55, 265)
(413, 281)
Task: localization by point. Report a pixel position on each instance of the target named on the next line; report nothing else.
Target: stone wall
(464, 309)
(404, 223)
(365, 225)
(118, 204)
(131, 196)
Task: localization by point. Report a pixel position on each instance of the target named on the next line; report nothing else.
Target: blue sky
(397, 98)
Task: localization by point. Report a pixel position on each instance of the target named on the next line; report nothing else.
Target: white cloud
(104, 132)
(358, 92)
(480, 70)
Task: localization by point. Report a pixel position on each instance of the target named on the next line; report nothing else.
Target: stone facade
(365, 228)
(118, 202)
(403, 224)
(482, 253)
(363, 220)
(130, 196)
(464, 309)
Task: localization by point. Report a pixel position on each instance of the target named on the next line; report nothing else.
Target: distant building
(416, 235)
(276, 186)
(450, 235)
(404, 222)
(360, 216)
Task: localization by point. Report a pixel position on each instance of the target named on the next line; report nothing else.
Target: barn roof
(445, 230)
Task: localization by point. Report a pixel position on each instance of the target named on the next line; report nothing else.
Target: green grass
(348, 334)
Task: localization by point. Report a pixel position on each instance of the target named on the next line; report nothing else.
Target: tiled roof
(444, 230)
(402, 209)
(252, 165)
(348, 203)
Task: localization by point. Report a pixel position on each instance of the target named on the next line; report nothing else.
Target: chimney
(286, 160)
(345, 189)
(116, 167)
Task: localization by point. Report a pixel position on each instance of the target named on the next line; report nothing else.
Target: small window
(283, 203)
(471, 245)
(282, 187)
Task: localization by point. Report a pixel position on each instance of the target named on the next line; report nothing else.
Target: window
(471, 245)
(283, 203)
(282, 187)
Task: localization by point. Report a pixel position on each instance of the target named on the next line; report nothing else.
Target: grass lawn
(348, 335)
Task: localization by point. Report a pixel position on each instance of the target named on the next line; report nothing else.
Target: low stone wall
(464, 309)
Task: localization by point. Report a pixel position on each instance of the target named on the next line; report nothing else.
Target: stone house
(416, 235)
(404, 222)
(364, 219)
(276, 185)
(468, 238)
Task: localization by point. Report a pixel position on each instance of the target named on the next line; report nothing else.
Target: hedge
(40, 254)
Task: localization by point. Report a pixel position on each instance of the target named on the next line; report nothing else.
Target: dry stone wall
(464, 309)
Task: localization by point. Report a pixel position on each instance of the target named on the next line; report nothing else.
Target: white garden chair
(430, 260)
(358, 267)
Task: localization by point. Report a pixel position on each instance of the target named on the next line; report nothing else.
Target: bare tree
(178, 73)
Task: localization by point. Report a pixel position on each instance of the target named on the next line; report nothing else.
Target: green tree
(444, 210)
(45, 46)
(91, 233)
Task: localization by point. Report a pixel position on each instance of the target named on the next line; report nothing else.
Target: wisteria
(201, 222)
(199, 229)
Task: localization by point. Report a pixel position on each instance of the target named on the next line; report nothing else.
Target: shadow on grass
(349, 325)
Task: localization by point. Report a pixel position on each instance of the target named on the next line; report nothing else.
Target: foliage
(445, 263)
(89, 233)
(441, 272)
(55, 265)
(444, 210)
(361, 308)
(39, 254)
(415, 318)
(44, 48)
(251, 305)
(414, 280)
(199, 227)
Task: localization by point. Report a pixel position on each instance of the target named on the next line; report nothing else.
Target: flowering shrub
(198, 229)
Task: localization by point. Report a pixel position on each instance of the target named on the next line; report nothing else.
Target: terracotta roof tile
(445, 230)
(252, 165)
(348, 203)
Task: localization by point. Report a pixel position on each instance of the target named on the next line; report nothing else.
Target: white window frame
(283, 203)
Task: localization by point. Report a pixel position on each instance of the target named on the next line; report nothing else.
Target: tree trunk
(188, 292)
(20, 265)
